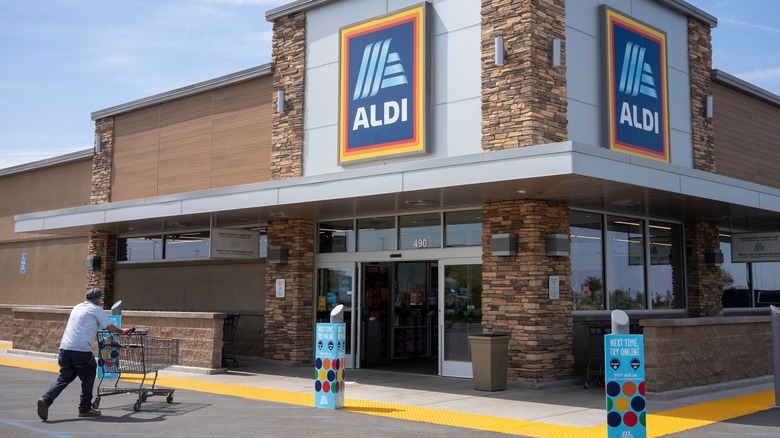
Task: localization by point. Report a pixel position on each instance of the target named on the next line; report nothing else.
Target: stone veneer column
(288, 321)
(523, 101)
(289, 48)
(103, 246)
(705, 294)
(700, 59)
(515, 295)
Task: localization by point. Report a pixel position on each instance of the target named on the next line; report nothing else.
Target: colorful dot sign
(625, 386)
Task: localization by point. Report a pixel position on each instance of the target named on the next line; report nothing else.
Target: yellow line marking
(659, 424)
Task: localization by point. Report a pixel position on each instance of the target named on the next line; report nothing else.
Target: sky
(62, 60)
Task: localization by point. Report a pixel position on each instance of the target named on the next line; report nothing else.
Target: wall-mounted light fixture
(555, 53)
(500, 51)
(713, 258)
(98, 143)
(277, 255)
(557, 245)
(503, 244)
(708, 107)
(280, 103)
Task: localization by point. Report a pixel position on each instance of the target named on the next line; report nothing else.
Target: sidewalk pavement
(564, 409)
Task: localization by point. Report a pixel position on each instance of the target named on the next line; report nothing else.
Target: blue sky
(61, 60)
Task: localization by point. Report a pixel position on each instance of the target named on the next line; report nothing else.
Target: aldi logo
(636, 99)
(383, 86)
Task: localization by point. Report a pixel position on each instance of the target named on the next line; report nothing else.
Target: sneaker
(43, 409)
(90, 413)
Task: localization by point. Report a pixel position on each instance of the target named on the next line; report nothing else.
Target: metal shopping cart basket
(229, 331)
(134, 353)
(595, 332)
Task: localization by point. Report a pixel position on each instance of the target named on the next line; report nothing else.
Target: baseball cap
(94, 293)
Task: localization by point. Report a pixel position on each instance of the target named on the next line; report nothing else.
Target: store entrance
(400, 316)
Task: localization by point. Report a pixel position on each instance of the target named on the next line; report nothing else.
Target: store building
(442, 169)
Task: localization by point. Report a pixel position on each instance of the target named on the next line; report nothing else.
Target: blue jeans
(74, 364)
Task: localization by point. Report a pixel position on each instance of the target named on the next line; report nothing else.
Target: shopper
(76, 358)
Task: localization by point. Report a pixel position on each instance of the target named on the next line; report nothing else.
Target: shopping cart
(595, 332)
(134, 353)
(229, 331)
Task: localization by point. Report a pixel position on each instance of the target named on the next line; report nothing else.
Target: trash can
(488, 361)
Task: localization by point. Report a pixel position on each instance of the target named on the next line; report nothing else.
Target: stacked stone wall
(700, 59)
(515, 297)
(524, 100)
(288, 320)
(289, 48)
(705, 291)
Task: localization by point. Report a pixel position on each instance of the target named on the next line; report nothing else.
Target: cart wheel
(96, 402)
(224, 363)
(169, 399)
(587, 384)
(137, 406)
(143, 399)
(601, 383)
(235, 363)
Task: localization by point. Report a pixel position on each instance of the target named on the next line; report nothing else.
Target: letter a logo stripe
(379, 69)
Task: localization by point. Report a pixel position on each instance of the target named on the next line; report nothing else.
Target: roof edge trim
(691, 11)
(732, 81)
(211, 84)
(54, 161)
(291, 8)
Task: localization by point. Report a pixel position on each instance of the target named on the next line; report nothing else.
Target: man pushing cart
(135, 353)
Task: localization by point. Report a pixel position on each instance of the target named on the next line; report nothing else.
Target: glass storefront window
(420, 231)
(587, 260)
(138, 249)
(666, 266)
(376, 234)
(336, 236)
(735, 278)
(625, 263)
(189, 245)
(463, 228)
(462, 309)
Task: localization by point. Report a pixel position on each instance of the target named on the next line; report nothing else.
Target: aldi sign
(636, 98)
(383, 86)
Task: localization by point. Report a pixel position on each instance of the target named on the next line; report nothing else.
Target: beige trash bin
(488, 361)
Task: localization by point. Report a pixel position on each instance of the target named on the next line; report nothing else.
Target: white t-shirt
(85, 320)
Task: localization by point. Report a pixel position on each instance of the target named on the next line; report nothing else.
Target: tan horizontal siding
(215, 139)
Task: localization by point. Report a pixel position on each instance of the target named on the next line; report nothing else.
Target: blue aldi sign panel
(637, 98)
(383, 86)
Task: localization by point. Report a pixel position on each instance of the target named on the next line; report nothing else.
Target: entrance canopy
(580, 176)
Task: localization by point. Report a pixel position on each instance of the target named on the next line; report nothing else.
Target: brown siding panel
(747, 136)
(215, 139)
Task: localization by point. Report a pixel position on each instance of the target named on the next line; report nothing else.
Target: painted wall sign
(636, 96)
(383, 86)
(755, 247)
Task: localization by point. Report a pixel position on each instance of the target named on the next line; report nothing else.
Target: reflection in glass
(462, 309)
(136, 249)
(625, 263)
(587, 260)
(189, 245)
(376, 234)
(666, 266)
(420, 231)
(334, 287)
(336, 236)
(463, 228)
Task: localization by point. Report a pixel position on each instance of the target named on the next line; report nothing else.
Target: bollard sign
(624, 374)
(636, 94)
(330, 351)
(383, 86)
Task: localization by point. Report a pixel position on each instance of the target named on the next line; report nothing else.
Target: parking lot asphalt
(277, 401)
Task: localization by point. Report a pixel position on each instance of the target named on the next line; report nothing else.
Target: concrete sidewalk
(560, 410)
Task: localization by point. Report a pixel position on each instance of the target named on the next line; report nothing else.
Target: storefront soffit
(580, 176)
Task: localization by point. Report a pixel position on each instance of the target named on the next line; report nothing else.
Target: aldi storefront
(441, 169)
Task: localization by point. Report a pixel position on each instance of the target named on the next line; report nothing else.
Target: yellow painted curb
(659, 424)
